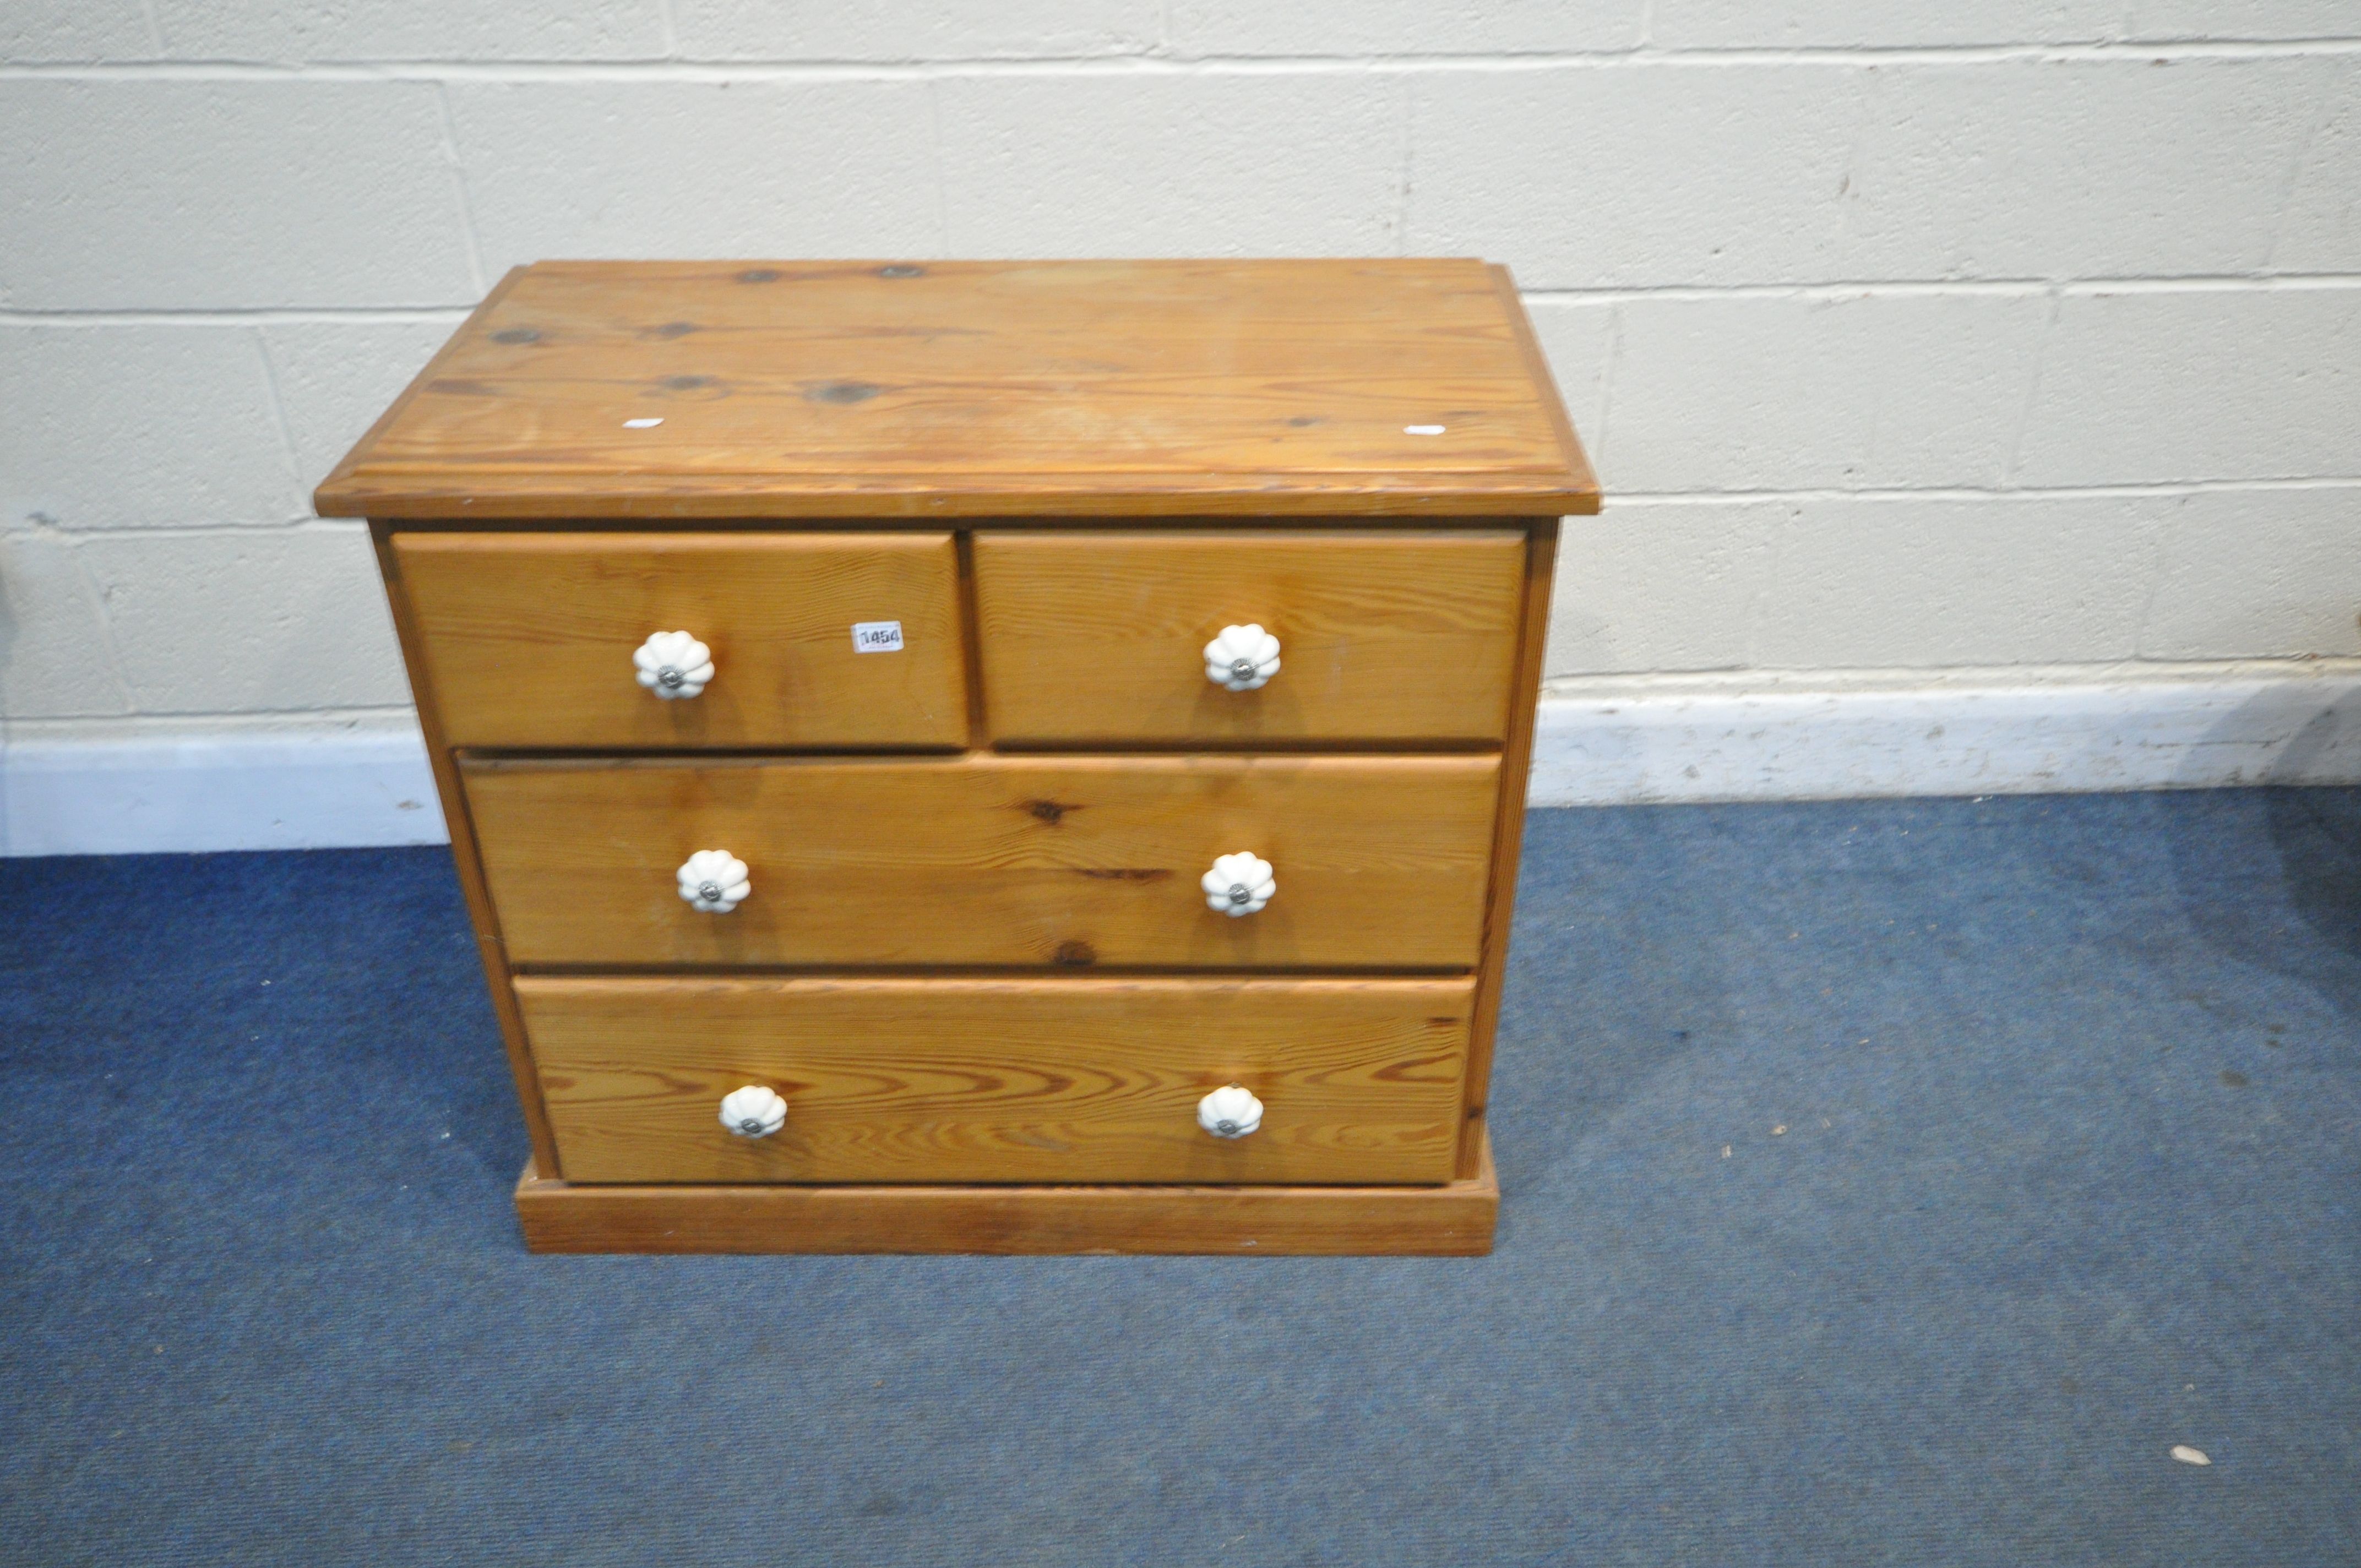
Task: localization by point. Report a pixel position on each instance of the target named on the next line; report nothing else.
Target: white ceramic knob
(1230, 1113)
(1241, 658)
(674, 664)
(753, 1112)
(1239, 884)
(714, 881)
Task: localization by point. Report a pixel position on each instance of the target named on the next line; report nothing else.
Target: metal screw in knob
(673, 664)
(755, 1110)
(1240, 885)
(1242, 658)
(1231, 1112)
(714, 881)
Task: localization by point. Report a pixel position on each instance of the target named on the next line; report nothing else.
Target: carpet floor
(1885, 1183)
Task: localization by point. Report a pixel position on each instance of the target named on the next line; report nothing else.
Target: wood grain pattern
(1383, 636)
(862, 390)
(1050, 1080)
(1507, 830)
(1452, 1221)
(481, 916)
(527, 638)
(1380, 862)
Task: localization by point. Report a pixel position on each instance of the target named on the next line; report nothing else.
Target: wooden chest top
(883, 390)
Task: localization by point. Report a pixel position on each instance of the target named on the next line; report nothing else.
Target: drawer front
(528, 639)
(1377, 860)
(1041, 1080)
(1102, 638)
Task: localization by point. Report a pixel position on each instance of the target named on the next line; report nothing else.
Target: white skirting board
(267, 790)
(1837, 744)
(277, 790)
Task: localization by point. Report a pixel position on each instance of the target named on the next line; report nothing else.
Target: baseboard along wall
(217, 790)
(1616, 749)
(281, 790)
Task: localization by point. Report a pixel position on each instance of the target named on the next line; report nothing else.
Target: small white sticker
(1423, 429)
(641, 423)
(877, 637)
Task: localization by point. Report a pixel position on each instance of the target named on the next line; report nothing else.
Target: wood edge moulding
(767, 498)
(1454, 1220)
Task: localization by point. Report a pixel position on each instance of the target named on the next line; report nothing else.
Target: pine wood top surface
(1045, 388)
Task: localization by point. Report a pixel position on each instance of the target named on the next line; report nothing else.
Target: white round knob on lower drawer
(1240, 885)
(1230, 1113)
(714, 881)
(674, 664)
(753, 1112)
(1241, 658)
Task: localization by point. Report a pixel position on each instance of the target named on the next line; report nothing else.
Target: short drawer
(1378, 861)
(1035, 1081)
(528, 639)
(1383, 636)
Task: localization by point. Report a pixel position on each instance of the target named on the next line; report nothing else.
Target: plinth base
(1450, 1220)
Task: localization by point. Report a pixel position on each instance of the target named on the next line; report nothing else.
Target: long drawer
(1378, 861)
(1070, 1079)
(814, 639)
(1380, 636)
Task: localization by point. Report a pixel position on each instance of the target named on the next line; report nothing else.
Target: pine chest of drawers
(988, 757)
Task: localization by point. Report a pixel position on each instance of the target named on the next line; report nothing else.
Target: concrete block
(125, 426)
(2321, 230)
(1898, 24)
(336, 377)
(2206, 20)
(273, 620)
(913, 29)
(1879, 24)
(699, 168)
(2258, 574)
(292, 30)
(1882, 584)
(76, 31)
(1205, 165)
(1629, 176)
(2233, 383)
(192, 196)
(1642, 589)
(1578, 336)
(1404, 27)
(54, 658)
(1769, 393)
(2075, 168)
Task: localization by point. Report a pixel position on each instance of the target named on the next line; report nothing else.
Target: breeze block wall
(2011, 347)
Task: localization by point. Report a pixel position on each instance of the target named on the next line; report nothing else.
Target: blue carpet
(1887, 1183)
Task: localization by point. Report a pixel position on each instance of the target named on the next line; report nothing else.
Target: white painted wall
(2010, 347)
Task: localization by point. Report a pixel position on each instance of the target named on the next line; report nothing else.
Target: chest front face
(985, 757)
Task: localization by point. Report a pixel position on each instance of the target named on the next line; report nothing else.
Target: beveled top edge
(1539, 470)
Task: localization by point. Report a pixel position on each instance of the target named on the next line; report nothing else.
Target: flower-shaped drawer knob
(753, 1112)
(1242, 658)
(1239, 884)
(674, 664)
(1228, 1112)
(714, 881)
